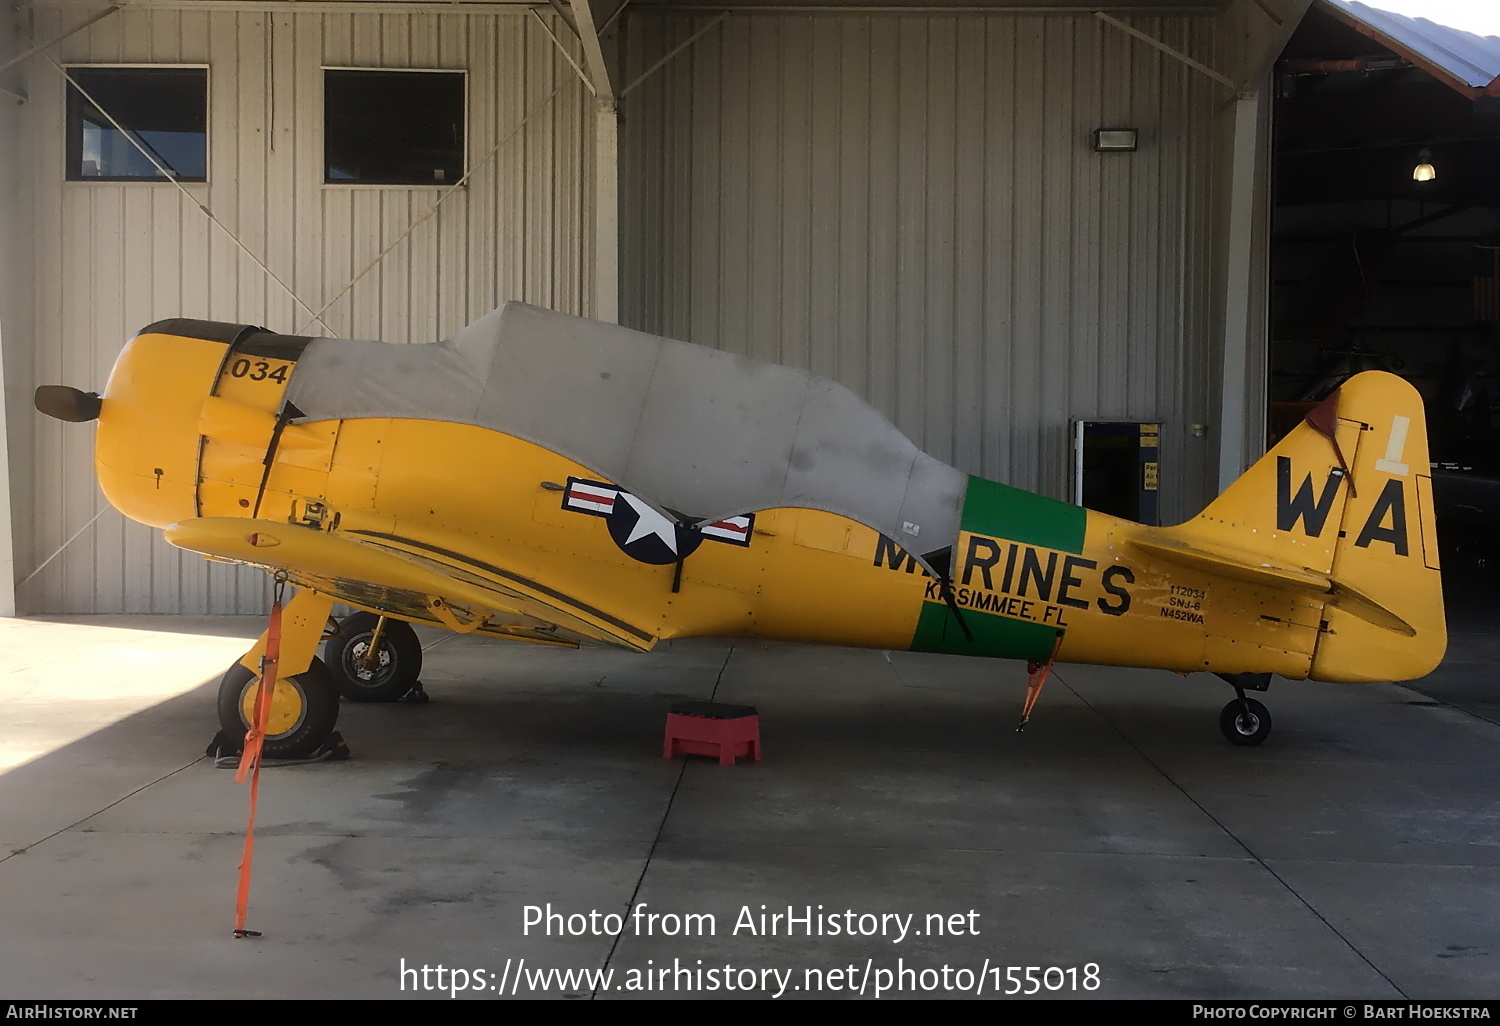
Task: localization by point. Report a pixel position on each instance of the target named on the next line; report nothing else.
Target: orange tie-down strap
(1037, 672)
(250, 760)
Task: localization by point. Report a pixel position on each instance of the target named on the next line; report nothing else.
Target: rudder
(1387, 542)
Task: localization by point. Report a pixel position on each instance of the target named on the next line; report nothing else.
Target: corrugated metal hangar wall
(112, 257)
(911, 205)
(908, 203)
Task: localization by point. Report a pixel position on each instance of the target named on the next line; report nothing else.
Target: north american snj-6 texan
(548, 479)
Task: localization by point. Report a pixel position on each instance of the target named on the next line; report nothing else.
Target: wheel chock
(415, 695)
(226, 754)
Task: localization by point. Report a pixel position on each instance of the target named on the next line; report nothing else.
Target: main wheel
(1245, 722)
(304, 709)
(390, 675)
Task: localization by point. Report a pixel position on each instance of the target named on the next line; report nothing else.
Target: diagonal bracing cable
(317, 317)
(172, 177)
(59, 550)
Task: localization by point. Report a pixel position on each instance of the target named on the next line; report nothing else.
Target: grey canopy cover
(688, 429)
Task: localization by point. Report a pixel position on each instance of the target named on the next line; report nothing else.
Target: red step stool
(712, 728)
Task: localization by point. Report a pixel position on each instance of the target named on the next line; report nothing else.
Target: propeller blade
(67, 403)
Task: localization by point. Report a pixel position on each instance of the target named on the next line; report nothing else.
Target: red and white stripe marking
(590, 498)
(735, 529)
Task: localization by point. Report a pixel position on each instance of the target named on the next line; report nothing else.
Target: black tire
(400, 659)
(1245, 726)
(311, 721)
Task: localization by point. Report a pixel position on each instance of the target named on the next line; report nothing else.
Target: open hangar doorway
(1385, 249)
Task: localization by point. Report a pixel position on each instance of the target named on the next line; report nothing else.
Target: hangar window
(163, 109)
(393, 127)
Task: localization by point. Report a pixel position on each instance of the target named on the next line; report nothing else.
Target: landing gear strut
(375, 659)
(1245, 721)
(304, 703)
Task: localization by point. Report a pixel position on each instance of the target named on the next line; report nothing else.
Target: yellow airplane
(559, 481)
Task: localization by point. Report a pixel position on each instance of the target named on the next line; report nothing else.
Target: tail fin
(1342, 506)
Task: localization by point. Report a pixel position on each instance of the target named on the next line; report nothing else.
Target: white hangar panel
(911, 205)
(905, 202)
(110, 257)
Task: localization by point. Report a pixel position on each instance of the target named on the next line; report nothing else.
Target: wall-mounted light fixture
(1424, 171)
(1115, 140)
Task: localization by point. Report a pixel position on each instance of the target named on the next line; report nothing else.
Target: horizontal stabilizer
(1367, 609)
(1268, 574)
(1229, 566)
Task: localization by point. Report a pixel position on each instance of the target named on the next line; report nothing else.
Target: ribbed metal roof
(1461, 39)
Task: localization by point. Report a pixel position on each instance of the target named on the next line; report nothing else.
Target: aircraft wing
(384, 573)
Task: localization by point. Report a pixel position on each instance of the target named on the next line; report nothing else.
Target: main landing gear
(366, 658)
(1245, 721)
(305, 701)
(304, 710)
(375, 659)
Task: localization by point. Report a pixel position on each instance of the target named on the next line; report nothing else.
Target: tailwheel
(374, 658)
(304, 709)
(1245, 721)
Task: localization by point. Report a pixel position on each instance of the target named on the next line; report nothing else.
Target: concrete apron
(1355, 854)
